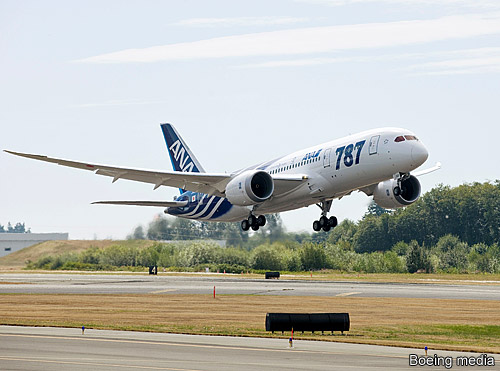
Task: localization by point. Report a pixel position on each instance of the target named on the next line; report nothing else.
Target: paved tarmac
(37, 348)
(54, 283)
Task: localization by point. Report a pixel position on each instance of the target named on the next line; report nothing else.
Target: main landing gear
(253, 222)
(324, 222)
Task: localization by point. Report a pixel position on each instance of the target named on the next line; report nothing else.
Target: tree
(375, 209)
(159, 229)
(313, 256)
(453, 253)
(266, 257)
(416, 258)
(138, 233)
(344, 232)
(274, 227)
(18, 228)
(373, 234)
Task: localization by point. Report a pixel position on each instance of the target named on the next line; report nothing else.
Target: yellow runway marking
(161, 291)
(93, 364)
(348, 293)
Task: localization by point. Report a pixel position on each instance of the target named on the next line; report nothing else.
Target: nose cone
(419, 153)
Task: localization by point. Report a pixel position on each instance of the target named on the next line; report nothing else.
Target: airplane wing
(427, 171)
(285, 183)
(144, 203)
(209, 183)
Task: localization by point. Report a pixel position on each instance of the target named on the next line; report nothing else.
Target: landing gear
(261, 220)
(245, 225)
(253, 222)
(324, 222)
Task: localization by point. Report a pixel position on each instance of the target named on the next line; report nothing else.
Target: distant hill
(18, 259)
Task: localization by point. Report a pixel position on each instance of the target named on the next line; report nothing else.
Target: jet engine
(250, 188)
(395, 193)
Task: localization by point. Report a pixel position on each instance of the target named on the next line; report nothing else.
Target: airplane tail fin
(180, 154)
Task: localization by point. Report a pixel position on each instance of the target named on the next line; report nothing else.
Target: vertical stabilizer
(180, 154)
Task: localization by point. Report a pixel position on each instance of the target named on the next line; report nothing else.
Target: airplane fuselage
(330, 170)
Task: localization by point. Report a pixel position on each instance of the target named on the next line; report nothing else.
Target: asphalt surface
(229, 284)
(32, 348)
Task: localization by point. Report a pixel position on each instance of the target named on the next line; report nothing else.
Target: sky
(243, 82)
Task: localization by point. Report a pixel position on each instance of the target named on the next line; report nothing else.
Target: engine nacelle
(395, 193)
(250, 188)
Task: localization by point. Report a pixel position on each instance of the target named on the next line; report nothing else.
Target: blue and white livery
(377, 162)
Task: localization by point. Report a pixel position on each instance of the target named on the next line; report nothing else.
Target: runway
(55, 283)
(32, 348)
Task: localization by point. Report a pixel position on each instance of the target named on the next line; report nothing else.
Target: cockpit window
(399, 139)
(410, 137)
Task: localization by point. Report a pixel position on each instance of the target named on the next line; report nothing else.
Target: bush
(453, 254)
(313, 257)
(267, 257)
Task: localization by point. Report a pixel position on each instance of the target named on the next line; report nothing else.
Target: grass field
(18, 259)
(439, 324)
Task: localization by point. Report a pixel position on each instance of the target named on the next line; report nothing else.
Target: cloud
(240, 21)
(476, 4)
(320, 61)
(118, 102)
(313, 40)
(463, 61)
(460, 65)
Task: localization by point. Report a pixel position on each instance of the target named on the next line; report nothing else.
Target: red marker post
(214, 292)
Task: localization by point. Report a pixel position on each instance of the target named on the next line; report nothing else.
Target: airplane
(377, 162)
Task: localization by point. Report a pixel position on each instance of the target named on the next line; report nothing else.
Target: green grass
(486, 337)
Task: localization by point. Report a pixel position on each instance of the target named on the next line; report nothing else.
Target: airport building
(10, 242)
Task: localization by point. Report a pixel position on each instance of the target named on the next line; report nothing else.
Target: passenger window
(399, 139)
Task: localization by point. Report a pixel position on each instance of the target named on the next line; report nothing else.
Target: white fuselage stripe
(205, 209)
(214, 210)
(196, 208)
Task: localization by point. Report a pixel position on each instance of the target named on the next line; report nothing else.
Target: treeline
(447, 230)
(18, 228)
(448, 255)
(178, 229)
(470, 212)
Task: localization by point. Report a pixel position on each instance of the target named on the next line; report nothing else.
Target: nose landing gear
(253, 222)
(324, 222)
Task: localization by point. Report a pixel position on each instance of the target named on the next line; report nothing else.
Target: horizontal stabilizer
(144, 203)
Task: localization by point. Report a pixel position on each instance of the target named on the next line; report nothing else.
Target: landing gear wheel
(397, 191)
(245, 225)
(332, 222)
(261, 220)
(323, 221)
(255, 227)
(252, 220)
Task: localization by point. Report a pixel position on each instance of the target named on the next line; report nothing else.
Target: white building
(10, 242)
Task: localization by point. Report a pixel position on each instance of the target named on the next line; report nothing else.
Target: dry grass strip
(443, 324)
